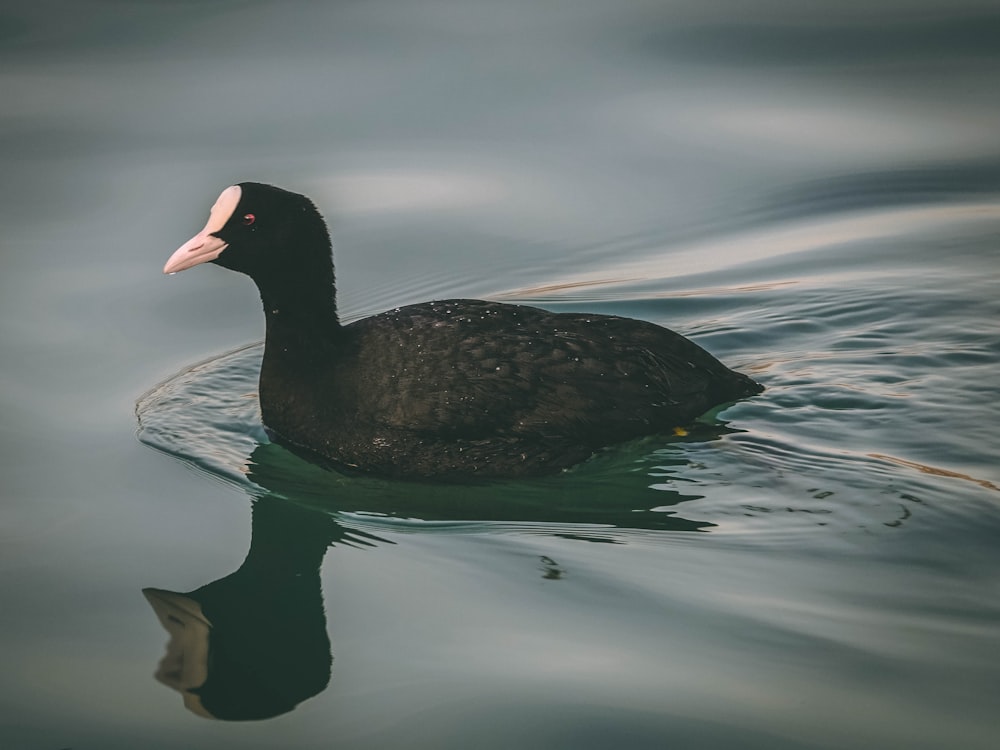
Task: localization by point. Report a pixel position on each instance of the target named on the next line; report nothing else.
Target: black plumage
(450, 389)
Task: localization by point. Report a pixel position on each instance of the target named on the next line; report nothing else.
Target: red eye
(249, 219)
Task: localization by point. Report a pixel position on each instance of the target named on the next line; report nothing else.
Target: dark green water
(813, 195)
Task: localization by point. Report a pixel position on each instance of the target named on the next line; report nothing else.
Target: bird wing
(508, 370)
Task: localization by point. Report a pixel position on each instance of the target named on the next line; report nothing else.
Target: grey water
(811, 191)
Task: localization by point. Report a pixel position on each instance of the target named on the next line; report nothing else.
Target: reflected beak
(185, 665)
(204, 246)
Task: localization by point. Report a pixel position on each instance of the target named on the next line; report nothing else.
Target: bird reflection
(253, 645)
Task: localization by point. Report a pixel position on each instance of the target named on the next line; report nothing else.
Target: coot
(451, 389)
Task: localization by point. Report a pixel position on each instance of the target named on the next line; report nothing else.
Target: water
(813, 194)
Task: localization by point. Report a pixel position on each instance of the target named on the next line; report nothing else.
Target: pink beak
(204, 247)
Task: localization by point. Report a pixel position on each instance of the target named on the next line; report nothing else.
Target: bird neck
(300, 307)
(298, 325)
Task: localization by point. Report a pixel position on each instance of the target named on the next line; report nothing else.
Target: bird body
(446, 389)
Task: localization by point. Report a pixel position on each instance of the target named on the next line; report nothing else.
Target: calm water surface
(811, 194)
